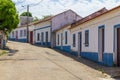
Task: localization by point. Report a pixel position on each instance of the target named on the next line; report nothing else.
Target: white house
(45, 29)
(42, 32)
(96, 37)
(63, 41)
(61, 20)
(20, 34)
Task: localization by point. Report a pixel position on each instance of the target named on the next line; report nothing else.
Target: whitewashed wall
(40, 27)
(64, 18)
(66, 29)
(18, 29)
(109, 20)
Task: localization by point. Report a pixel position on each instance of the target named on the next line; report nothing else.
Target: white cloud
(82, 7)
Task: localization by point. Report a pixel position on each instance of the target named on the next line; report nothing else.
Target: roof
(81, 22)
(90, 17)
(78, 17)
(36, 22)
(40, 21)
(65, 12)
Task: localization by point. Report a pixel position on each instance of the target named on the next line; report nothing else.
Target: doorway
(42, 38)
(46, 38)
(101, 43)
(118, 46)
(16, 35)
(79, 43)
(31, 37)
(61, 41)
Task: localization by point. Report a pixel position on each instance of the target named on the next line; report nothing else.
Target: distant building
(23, 20)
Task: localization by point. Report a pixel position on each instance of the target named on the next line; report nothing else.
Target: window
(58, 39)
(66, 37)
(20, 33)
(74, 40)
(42, 34)
(13, 34)
(86, 38)
(38, 37)
(25, 32)
(46, 36)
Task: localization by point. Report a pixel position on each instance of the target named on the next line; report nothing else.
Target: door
(118, 46)
(46, 38)
(61, 41)
(31, 37)
(16, 35)
(79, 43)
(101, 43)
(42, 38)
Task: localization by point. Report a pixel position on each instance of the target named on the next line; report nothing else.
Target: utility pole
(27, 24)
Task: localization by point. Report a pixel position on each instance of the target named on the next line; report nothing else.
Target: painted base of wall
(107, 58)
(74, 53)
(19, 40)
(90, 55)
(12, 39)
(64, 48)
(48, 44)
(22, 40)
(93, 56)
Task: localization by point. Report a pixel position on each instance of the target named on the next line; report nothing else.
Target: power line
(31, 5)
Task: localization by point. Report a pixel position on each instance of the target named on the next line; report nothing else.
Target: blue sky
(40, 8)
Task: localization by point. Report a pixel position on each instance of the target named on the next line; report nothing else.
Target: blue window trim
(115, 27)
(66, 37)
(101, 27)
(87, 44)
(42, 27)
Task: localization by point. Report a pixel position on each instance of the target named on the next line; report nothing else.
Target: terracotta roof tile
(89, 17)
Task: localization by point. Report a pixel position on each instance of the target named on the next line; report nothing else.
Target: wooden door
(31, 37)
(118, 46)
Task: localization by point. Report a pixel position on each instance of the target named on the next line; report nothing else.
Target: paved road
(37, 63)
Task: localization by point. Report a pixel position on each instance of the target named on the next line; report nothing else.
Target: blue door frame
(79, 43)
(101, 42)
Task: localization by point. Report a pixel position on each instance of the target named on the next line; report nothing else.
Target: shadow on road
(11, 52)
(114, 72)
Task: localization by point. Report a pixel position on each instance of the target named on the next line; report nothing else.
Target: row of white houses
(95, 37)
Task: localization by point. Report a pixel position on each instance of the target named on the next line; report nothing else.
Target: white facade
(17, 33)
(20, 33)
(107, 21)
(42, 33)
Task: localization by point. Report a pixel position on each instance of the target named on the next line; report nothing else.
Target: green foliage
(35, 19)
(26, 13)
(2, 52)
(46, 16)
(8, 16)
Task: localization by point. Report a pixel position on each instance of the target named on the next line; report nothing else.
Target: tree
(35, 19)
(46, 16)
(26, 13)
(8, 16)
